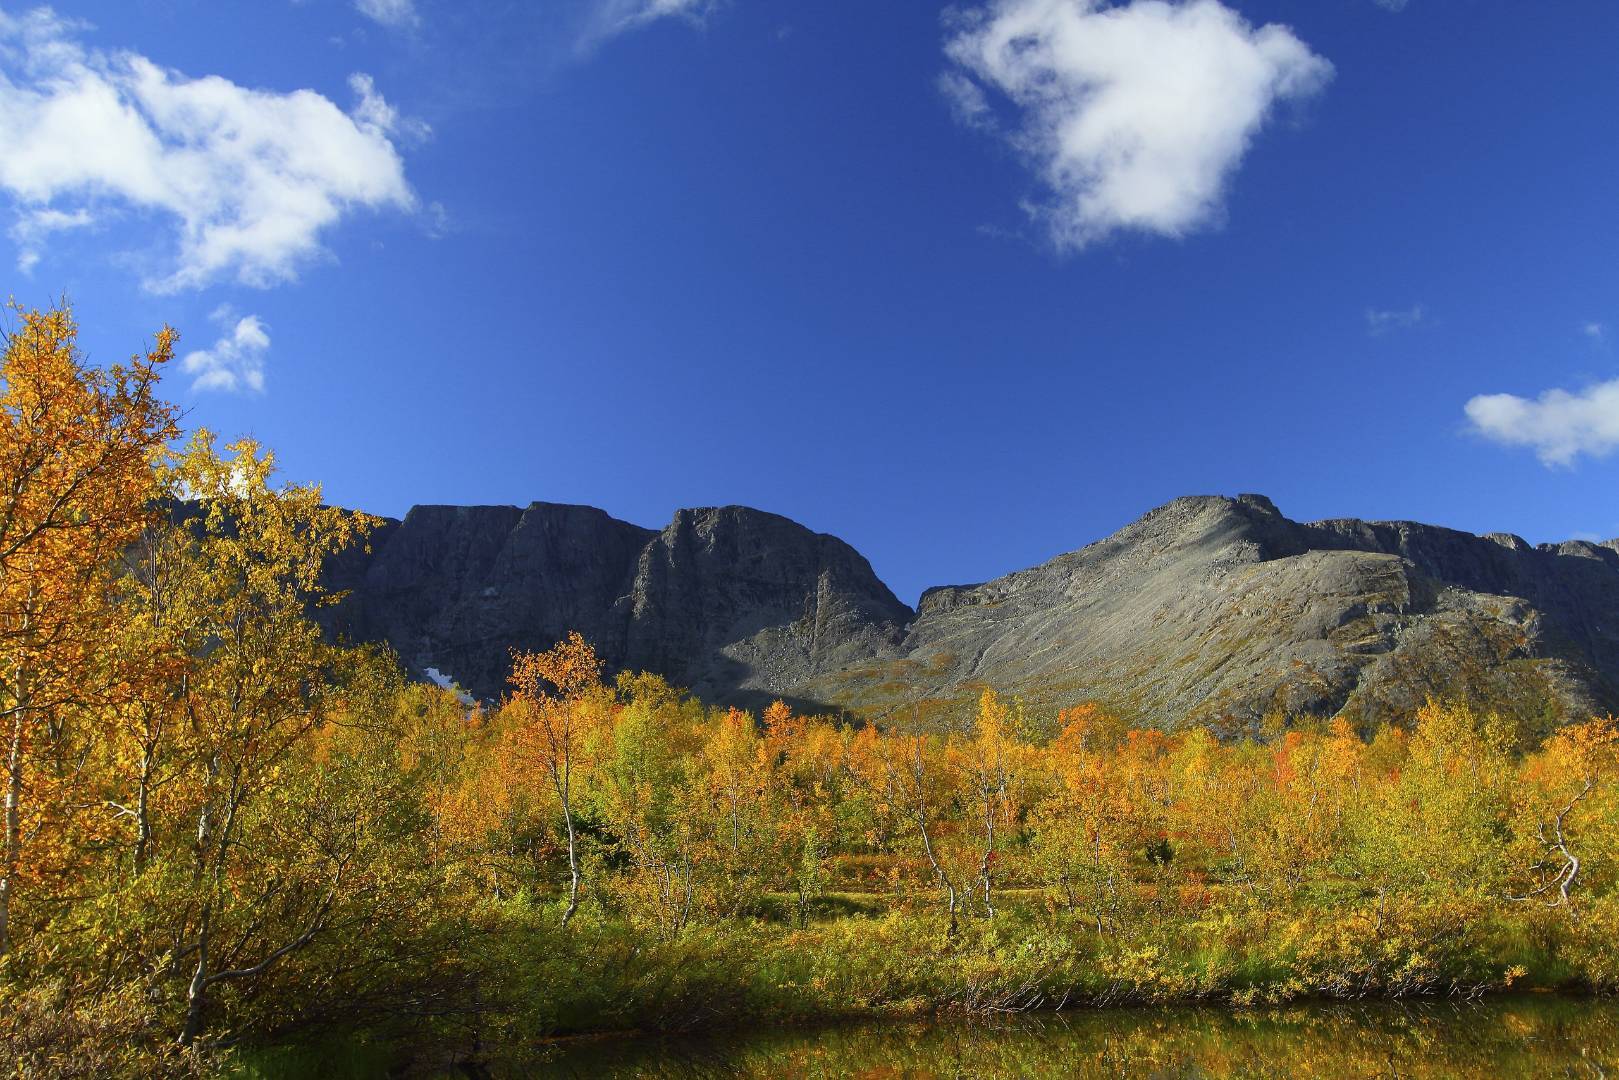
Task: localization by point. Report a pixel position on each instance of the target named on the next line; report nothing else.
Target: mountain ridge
(1208, 609)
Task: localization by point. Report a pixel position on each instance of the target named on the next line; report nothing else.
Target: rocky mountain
(1222, 611)
(1209, 609)
(735, 604)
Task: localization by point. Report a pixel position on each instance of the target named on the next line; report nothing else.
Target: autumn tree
(735, 775)
(265, 684)
(1089, 827)
(990, 765)
(1426, 837)
(875, 803)
(555, 694)
(77, 445)
(1565, 788)
(492, 808)
(803, 771)
(648, 796)
(917, 766)
(156, 655)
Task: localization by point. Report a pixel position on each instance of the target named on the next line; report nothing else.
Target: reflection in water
(1532, 1036)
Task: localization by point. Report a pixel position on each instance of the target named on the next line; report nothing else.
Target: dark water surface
(1527, 1036)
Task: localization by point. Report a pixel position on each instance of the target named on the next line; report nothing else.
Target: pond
(1522, 1036)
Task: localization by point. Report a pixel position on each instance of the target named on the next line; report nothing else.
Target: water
(1527, 1036)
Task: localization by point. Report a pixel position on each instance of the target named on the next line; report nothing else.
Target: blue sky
(967, 286)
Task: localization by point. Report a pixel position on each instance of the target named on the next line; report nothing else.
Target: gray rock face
(456, 588)
(736, 604)
(1222, 611)
(734, 599)
(1208, 610)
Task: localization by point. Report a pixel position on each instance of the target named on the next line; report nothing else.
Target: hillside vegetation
(225, 831)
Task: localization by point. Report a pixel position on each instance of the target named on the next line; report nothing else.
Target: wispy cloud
(1382, 321)
(999, 232)
(372, 111)
(395, 14)
(609, 18)
(249, 180)
(33, 228)
(1595, 331)
(967, 101)
(1559, 425)
(1391, 5)
(1134, 117)
(234, 363)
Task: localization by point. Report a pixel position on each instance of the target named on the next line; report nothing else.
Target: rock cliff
(736, 604)
(1209, 609)
(1222, 611)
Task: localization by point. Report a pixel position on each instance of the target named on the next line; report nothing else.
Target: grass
(351, 1058)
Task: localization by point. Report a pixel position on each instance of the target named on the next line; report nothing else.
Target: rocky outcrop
(1222, 611)
(456, 588)
(736, 604)
(1209, 610)
(735, 599)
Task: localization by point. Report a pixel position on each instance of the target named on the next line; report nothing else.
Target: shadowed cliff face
(737, 604)
(735, 599)
(456, 588)
(1208, 610)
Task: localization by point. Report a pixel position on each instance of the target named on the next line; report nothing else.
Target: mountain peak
(1210, 609)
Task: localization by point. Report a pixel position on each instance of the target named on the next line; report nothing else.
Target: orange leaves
(76, 485)
(568, 668)
(557, 705)
(1087, 727)
(1579, 752)
(76, 443)
(557, 699)
(780, 722)
(482, 802)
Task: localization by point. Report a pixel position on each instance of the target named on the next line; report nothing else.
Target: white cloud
(967, 100)
(1135, 116)
(248, 179)
(372, 111)
(1381, 322)
(997, 232)
(609, 18)
(398, 14)
(1391, 5)
(1559, 425)
(236, 361)
(436, 221)
(33, 226)
(1594, 330)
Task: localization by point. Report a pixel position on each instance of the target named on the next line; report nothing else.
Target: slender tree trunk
(985, 873)
(143, 814)
(938, 871)
(573, 866)
(197, 991)
(563, 779)
(201, 976)
(918, 774)
(13, 825)
(205, 824)
(685, 906)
